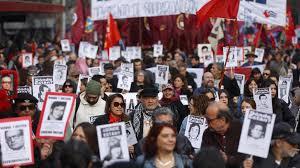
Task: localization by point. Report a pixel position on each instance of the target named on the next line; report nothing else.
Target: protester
(295, 106)
(159, 149)
(208, 158)
(182, 68)
(181, 86)
(140, 81)
(69, 87)
(207, 83)
(250, 57)
(91, 104)
(246, 105)
(249, 88)
(142, 117)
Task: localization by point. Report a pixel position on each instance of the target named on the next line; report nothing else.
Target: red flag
(290, 27)
(218, 8)
(257, 36)
(78, 23)
(112, 36)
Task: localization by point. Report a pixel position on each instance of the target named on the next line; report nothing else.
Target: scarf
(165, 102)
(113, 119)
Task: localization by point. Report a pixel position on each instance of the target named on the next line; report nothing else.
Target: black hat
(149, 92)
(108, 66)
(26, 98)
(251, 54)
(283, 130)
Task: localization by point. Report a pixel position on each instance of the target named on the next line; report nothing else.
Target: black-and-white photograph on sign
(55, 115)
(102, 63)
(24, 89)
(127, 69)
(158, 50)
(232, 59)
(194, 130)
(59, 74)
(16, 142)
(240, 53)
(84, 48)
(81, 77)
(184, 100)
(204, 52)
(240, 78)
(131, 137)
(263, 100)
(208, 58)
(284, 86)
(27, 60)
(114, 53)
(162, 74)
(93, 49)
(104, 55)
(131, 102)
(112, 140)
(40, 86)
(247, 50)
(124, 82)
(256, 133)
(134, 52)
(260, 54)
(197, 74)
(94, 71)
(65, 45)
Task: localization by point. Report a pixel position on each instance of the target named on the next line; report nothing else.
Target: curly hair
(150, 146)
(200, 103)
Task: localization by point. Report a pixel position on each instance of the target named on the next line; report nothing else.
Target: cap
(251, 54)
(93, 87)
(149, 92)
(167, 86)
(108, 66)
(283, 130)
(26, 98)
(32, 70)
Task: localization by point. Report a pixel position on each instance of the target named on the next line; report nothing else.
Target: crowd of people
(159, 122)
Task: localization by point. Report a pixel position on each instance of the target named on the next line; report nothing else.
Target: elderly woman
(159, 149)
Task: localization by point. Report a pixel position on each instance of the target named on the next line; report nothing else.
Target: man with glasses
(223, 133)
(26, 105)
(266, 73)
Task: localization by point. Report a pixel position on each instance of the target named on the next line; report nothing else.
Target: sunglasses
(267, 74)
(117, 104)
(30, 107)
(68, 86)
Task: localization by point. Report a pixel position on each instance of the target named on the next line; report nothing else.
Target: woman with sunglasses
(69, 87)
(114, 111)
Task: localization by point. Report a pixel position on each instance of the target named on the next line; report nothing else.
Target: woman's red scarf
(113, 119)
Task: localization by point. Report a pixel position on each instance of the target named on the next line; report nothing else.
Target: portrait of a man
(14, 139)
(42, 92)
(115, 150)
(194, 131)
(263, 99)
(257, 130)
(57, 110)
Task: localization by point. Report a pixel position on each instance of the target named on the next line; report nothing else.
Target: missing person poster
(93, 49)
(246, 51)
(260, 54)
(16, 142)
(124, 82)
(194, 130)
(83, 49)
(232, 59)
(284, 86)
(134, 52)
(59, 74)
(114, 53)
(157, 50)
(40, 86)
(24, 89)
(55, 115)
(263, 100)
(256, 133)
(127, 69)
(162, 74)
(204, 52)
(81, 78)
(65, 45)
(131, 101)
(94, 71)
(27, 60)
(197, 74)
(240, 78)
(184, 100)
(112, 141)
(131, 137)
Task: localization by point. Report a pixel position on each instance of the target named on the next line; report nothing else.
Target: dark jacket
(231, 86)
(296, 76)
(282, 111)
(190, 80)
(179, 110)
(228, 143)
(101, 120)
(269, 162)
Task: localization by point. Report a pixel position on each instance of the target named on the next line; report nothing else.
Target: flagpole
(227, 54)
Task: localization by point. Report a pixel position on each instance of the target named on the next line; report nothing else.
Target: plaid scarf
(139, 116)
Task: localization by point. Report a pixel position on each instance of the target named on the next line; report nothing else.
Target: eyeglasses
(267, 74)
(30, 107)
(68, 86)
(117, 104)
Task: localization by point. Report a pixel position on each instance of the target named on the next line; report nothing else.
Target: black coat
(104, 119)
(296, 76)
(269, 162)
(231, 86)
(282, 111)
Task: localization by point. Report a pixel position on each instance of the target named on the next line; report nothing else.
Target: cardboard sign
(232, 60)
(93, 49)
(112, 140)
(60, 74)
(27, 60)
(204, 52)
(194, 130)
(24, 89)
(84, 48)
(55, 115)
(197, 74)
(256, 133)
(184, 100)
(16, 142)
(157, 50)
(114, 53)
(161, 75)
(131, 137)
(124, 82)
(240, 78)
(263, 100)
(94, 71)
(65, 45)
(284, 86)
(40, 86)
(260, 53)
